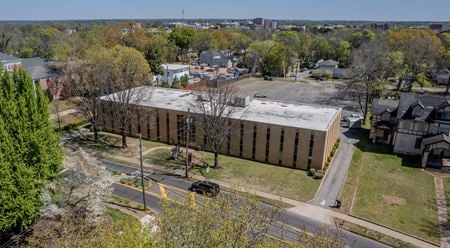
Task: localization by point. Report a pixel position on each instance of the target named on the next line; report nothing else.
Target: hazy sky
(378, 10)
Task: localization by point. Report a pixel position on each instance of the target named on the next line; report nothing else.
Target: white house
(170, 71)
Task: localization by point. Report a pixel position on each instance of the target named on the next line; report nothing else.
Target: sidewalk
(63, 113)
(311, 211)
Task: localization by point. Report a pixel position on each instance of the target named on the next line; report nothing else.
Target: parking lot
(306, 91)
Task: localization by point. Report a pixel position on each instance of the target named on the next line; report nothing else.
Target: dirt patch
(394, 200)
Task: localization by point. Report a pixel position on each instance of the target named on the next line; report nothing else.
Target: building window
(158, 133)
(418, 143)
(148, 126)
(241, 140)
(281, 140)
(229, 138)
(267, 144)
(254, 142)
(294, 162)
(139, 120)
(167, 126)
(180, 129)
(311, 147)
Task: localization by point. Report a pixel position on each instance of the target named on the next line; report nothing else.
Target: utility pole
(142, 171)
(188, 130)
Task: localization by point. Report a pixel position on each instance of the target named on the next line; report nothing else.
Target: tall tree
(420, 48)
(371, 66)
(88, 80)
(183, 37)
(29, 150)
(128, 70)
(215, 109)
(156, 53)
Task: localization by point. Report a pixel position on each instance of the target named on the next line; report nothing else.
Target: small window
(418, 143)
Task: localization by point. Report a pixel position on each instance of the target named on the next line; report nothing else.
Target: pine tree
(30, 154)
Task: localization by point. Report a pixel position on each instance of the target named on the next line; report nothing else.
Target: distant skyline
(366, 10)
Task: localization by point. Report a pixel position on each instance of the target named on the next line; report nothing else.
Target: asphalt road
(285, 228)
(335, 178)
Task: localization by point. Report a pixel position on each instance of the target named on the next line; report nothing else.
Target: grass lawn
(75, 118)
(391, 190)
(119, 216)
(62, 105)
(447, 194)
(286, 182)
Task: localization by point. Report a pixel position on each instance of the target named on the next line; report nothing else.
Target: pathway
(444, 227)
(331, 185)
(311, 211)
(63, 113)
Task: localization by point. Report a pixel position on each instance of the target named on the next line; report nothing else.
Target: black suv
(204, 187)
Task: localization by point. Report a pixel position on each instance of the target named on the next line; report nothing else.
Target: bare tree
(129, 70)
(216, 106)
(87, 79)
(370, 69)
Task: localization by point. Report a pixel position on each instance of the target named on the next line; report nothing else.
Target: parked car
(259, 95)
(207, 188)
(267, 77)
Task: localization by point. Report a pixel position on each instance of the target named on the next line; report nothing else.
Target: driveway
(335, 178)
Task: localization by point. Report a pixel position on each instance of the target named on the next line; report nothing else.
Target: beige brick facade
(287, 146)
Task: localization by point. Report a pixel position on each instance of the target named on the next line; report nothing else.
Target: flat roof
(174, 66)
(313, 117)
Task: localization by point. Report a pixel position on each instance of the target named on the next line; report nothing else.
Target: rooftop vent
(241, 101)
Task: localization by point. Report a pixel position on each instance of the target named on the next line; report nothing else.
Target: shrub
(312, 172)
(318, 175)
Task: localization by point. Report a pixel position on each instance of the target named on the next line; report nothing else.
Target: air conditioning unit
(201, 97)
(241, 101)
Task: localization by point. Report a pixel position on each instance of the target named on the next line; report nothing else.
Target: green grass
(119, 216)
(391, 190)
(388, 240)
(62, 105)
(447, 194)
(286, 182)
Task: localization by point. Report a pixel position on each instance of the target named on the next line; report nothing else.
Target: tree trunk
(96, 139)
(124, 138)
(366, 107)
(216, 160)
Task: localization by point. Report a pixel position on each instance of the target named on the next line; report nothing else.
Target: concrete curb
(395, 230)
(326, 172)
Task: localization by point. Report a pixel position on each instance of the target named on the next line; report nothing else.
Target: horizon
(283, 10)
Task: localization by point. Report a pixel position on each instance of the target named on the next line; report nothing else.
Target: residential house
(170, 71)
(40, 72)
(415, 124)
(216, 58)
(328, 65)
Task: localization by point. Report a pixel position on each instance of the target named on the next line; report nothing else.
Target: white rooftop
(313, 117)
(174, 66)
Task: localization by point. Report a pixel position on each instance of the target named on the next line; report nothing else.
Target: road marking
(162, 190)
(192, 198)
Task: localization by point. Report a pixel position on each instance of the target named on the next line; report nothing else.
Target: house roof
(174, 66)
(290, 114)
(329, 62)
(427, 103)
(436, 139)
(382, 105)
(211, 53)
(36, 67)
(6, 57)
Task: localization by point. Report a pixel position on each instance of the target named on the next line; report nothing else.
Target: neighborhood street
(288, 222)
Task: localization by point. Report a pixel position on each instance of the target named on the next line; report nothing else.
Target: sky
(370, 10)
